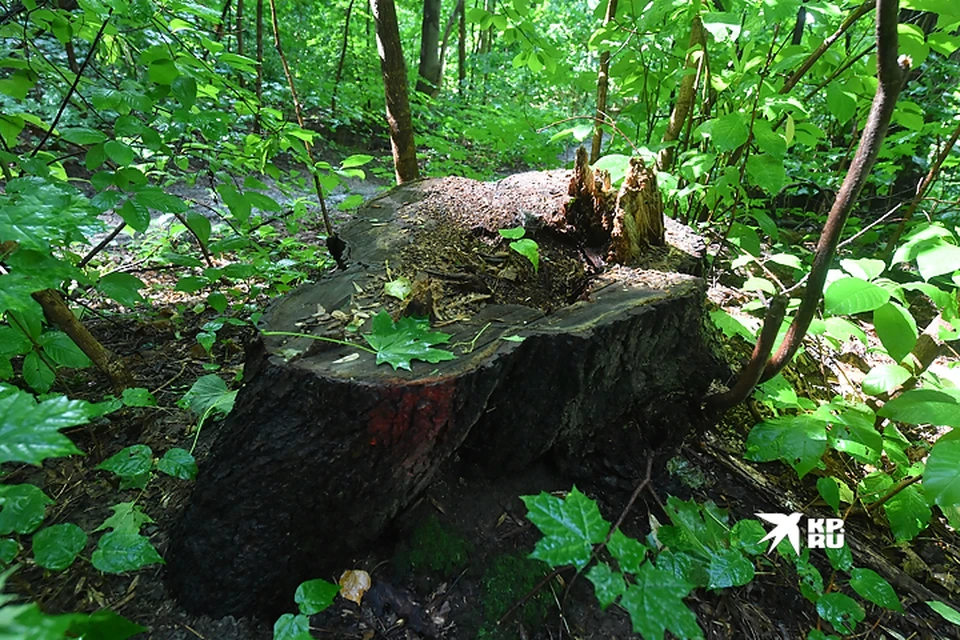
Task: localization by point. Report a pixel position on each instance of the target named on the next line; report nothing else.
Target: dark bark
(799, 26)
(602, 85)
(462, 50)
(343, 57)
(457, 10)
(428, 73)
(239, 31)
(394, 72)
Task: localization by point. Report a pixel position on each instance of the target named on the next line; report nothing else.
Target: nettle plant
(699, 549)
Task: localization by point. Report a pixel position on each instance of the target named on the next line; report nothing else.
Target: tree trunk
(429, 72)
(462, 51)
(686, 93)
(457, 10)
(239, 30)
(602, 82)
(395, 88)
(343, 56)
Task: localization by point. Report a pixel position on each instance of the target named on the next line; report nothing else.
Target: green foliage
(312, 596)
(398, 343)
(526, 247)
(433, 548)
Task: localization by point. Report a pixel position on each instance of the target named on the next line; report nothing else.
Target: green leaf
(121, 551)
(655, 604)
(57, 546)
(947, 612)
(941, 477)
(865, 268)
(908, 513)
(398, 288)
(191, 284)
(103, 625)
(608, 585)
(570, 527)
(209, 394)
(896, 329)
(728, 132)
(848, 296)
(218, 301)
(184, 89)
(767, 172)
(922, 406)
(406, 340)
(728, 568)
(841, 102)
(938, 259)
(24, 507)
(13, 342)
(8, 550)
(291, 627)
(841, 611)
(29, 432)
(829, 490)
(840, 559)
(127, 517)
(163, 71)
(138, 397)
(746, 535)
(884, 378)
(122, 287)
(800, 441)
(178, 463)
(513, 234)
(357, 160)
(238, 204)
(629, 553)
(119, 152)
(82, 135)
(870, 586)
(156, 198)
(132, 464)
(37, 373)
(63, 351)
(136, 215)
(313, 596)
(528, 249)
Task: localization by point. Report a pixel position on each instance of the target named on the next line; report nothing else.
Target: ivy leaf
(24, 507)
(607, 584)
(291, 627)
(406, 340)
(908, 513)
(629, 553)
(655, 604)
(127, 517)
(841, 611)
(132, 464)
(178, 463)
(121, 551)
(871, 586)
(941, 477)
(57, 546)
(570, 527)
(313, 596)
(921, 406)
(29, 431)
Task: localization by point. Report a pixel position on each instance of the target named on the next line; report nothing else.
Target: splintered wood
(630, 221)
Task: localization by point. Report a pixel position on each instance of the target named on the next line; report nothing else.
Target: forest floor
(454, 565)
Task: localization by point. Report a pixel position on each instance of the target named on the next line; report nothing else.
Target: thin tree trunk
(462, 51)
(239, 31)
(798, 27)
(428, 74)
(343, 56)
(602, 83)
(223, 19)
(395, 89)
(457, 10)
(259, 87)
(686, 93)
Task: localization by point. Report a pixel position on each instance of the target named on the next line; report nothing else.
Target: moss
(508, 579)
(433, 548)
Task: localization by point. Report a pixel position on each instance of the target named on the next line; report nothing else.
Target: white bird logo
(787, 526)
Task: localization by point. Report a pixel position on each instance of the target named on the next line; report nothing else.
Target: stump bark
(323, 447)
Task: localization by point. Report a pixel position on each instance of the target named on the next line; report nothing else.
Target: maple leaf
(399, 343)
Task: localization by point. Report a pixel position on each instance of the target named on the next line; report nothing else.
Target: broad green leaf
(841, 102)
(103, 625)
(745, 535)
(570, 527)
(848, 296)
(729, 568)
(63, 351)
(122, 551)
(406, 340)
(841, 611)
(767, 172)
(184, 89)
(829, 490)
(884, 378)
(239, 205)
(127, 517)
(178, 463)
(200, 225)
(398, 288)
(528, 249)
(865, 268)
(291, 627)
(608, 585)
(13, 342)
(728, 132)
(263, 202)
(869, 585)
(840, 559)
(628, 552)
(57, 546)
(655, 604)
(191, 284)
(119, 152)
(863, 442)
(82, 135)
(132, 464)
(874, 486)
(313, 596)
(513, 234)
(156, 198)
(163, 71)
(209, 393)
(37, 373)
(357, 160)
(922, 406)
(941, 477)
(896, 329)
(947, 612)
(136, 215)
(218, 301)
(841, 329)
(138, 397)
(122, 287)
(22, 508)
(908, 513)
(938, 259)
(8, 550)
(800, 441)
(29, 432)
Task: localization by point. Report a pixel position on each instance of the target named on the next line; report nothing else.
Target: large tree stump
(324, 447)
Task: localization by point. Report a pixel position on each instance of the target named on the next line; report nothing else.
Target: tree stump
(323, 447)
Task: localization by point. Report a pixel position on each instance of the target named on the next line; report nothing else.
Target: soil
(453, 566)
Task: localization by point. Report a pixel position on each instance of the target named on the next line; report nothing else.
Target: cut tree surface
(324, 447)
